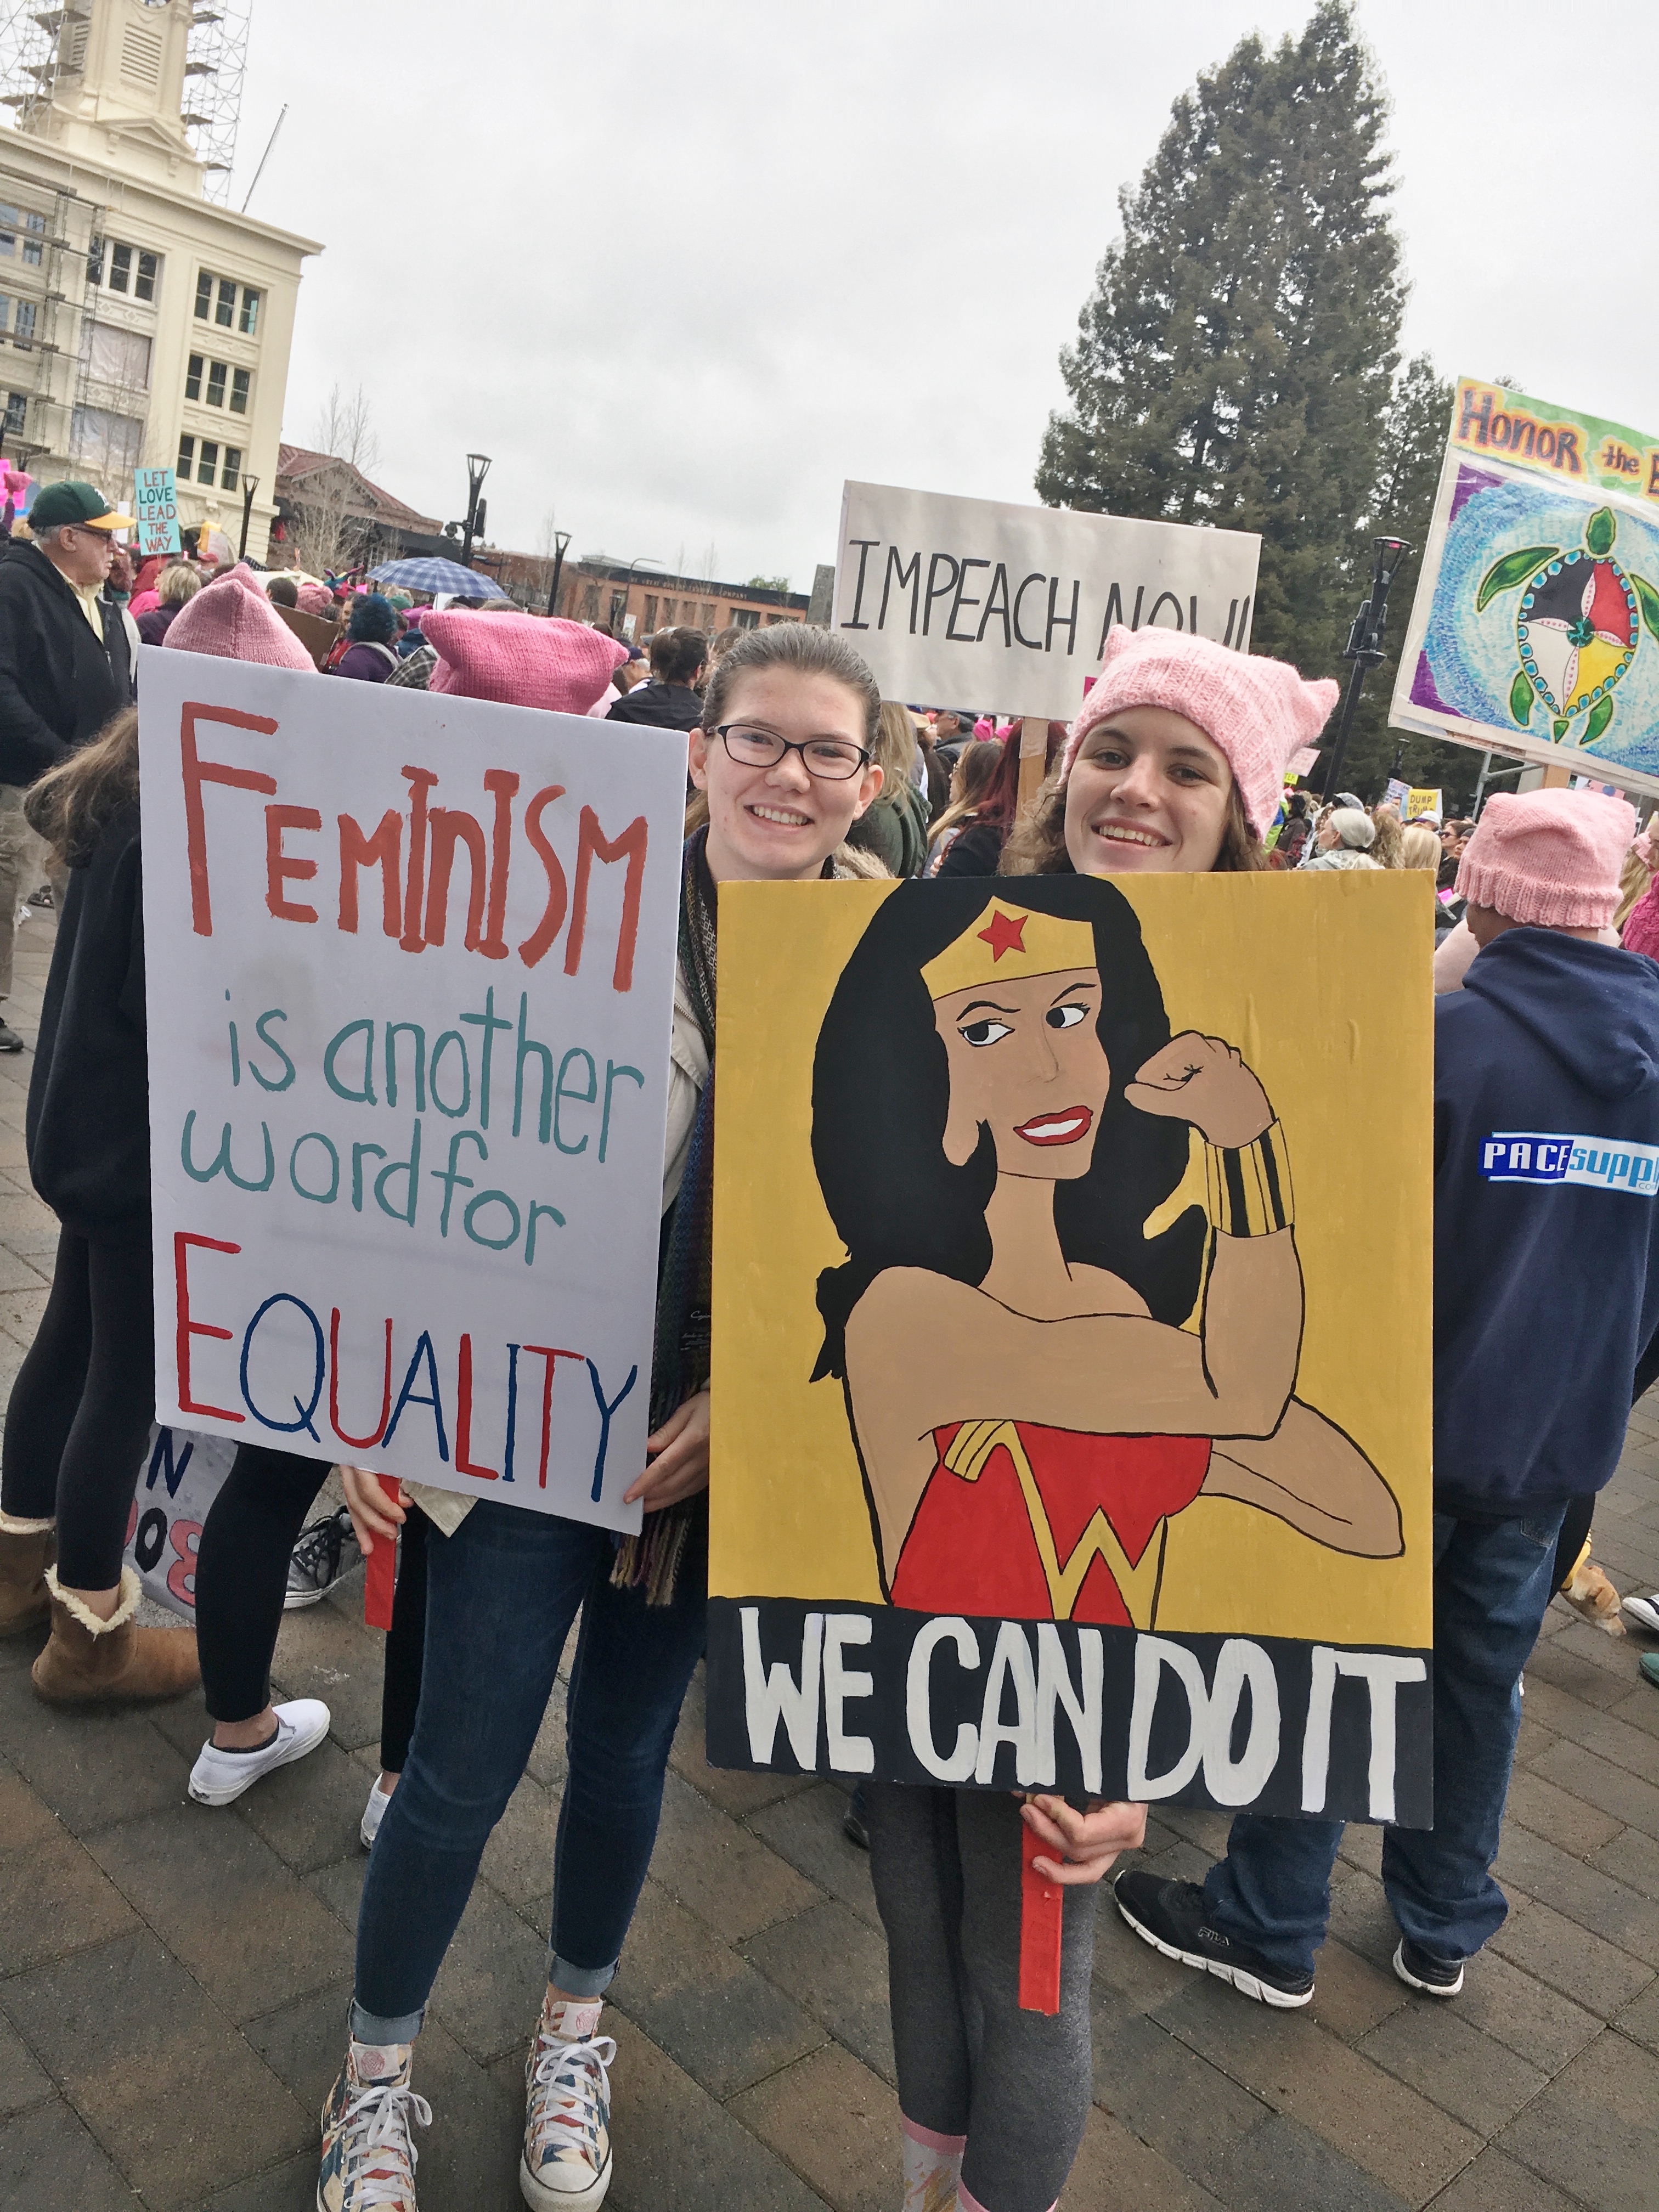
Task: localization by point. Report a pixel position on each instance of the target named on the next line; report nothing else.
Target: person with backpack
(371, 626)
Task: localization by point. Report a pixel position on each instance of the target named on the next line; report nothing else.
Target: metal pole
(478, 468)
(1350, 702)
(1364, 645)
(250, 485)
(560, 540)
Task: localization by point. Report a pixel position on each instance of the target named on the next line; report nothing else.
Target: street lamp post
(644, 562)
(560, 540)
(250, 485)
(1364, 645)
(478, 468)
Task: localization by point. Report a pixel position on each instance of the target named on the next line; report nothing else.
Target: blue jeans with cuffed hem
(502, 1594)
(1493, 1581)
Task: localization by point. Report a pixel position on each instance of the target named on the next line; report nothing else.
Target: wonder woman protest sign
(1072, 1337)
(410, 965)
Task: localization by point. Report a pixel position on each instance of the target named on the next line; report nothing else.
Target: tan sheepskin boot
(87, 1659)
(27, 1550)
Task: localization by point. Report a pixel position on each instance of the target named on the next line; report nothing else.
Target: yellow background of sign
(1422, 802)
(1323, 982)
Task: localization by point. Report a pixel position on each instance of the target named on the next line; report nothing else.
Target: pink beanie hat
(523, 660)
(312, 599)
(231, 618)
(1258, 711)
(1549, 857)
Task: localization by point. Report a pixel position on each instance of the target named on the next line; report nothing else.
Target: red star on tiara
(1005, 934)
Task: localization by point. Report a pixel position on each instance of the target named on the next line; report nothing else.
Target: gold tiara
(1006, 944)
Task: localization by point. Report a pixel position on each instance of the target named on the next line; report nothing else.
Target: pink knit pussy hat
(522, 660)
(1548, 857)
(231, 618)
(1258, 711)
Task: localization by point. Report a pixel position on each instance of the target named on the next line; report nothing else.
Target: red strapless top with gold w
(1030, 1524)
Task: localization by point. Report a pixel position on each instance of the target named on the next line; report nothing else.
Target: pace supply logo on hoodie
(1540, 1155)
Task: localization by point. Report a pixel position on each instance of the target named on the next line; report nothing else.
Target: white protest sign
(970, 603)
(410, 966)
(178, 1477)
(156, 510)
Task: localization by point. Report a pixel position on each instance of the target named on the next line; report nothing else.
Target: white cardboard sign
(409, 964)
(973, 603)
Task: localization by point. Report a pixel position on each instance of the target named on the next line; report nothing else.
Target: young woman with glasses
(783, 768)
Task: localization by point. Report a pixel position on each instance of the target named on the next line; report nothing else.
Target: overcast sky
(681, 270)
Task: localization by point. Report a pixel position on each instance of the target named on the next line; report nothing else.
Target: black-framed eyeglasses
(831, 760)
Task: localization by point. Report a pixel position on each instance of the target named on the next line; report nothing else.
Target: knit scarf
(680, 1355)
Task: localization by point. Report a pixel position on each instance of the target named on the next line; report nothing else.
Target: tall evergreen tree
(1236, 363)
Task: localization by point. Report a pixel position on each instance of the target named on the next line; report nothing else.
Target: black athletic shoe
(9, 1040)
(1171, 1916)
(1420, 1970)
(326, 1551)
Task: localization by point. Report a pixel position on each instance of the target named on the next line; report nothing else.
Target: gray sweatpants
(945, 1864)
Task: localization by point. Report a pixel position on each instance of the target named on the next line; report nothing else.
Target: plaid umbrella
(435, 576)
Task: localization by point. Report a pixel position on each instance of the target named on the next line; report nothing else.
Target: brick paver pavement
(173, 1981)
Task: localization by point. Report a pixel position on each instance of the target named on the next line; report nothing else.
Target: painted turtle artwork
(1577, 627)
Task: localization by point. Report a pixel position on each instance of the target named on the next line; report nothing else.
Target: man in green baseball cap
(66, 660)
(77, 506)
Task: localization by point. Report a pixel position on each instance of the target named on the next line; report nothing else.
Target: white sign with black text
(972, 603)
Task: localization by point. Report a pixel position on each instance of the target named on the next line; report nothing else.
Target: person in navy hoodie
(1545, 1291)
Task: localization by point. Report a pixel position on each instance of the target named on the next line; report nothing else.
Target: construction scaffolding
(216, 63)
(42, 50)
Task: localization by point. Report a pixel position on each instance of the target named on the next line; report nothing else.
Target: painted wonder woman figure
(998, 1108)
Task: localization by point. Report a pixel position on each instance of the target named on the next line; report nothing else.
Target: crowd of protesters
(798, 771)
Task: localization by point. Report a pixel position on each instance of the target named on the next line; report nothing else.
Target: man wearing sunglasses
(66, 662)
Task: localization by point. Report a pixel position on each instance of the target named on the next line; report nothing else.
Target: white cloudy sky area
(680, 271)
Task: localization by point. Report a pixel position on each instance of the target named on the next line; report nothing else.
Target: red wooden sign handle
(1041, 1903)
(380, 1569)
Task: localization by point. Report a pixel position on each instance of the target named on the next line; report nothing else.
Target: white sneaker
(373, 1814)
(567, 2123)
(1645, 1610)
(219, 1776)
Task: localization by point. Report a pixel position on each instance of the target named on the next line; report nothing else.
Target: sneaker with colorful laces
(567, 2122)
(369, 2160)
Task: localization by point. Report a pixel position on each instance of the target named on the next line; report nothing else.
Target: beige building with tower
(143, 323)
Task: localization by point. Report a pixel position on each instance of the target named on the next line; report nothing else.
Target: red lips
(1062, 1128)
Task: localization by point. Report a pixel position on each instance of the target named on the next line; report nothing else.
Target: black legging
(241, 1576)
(82, 1406)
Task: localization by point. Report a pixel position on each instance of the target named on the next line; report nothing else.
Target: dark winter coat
(155, 622)
(661, 705)
(58, 686)
(367, 663)
(87, 1123)
(1546, 1223)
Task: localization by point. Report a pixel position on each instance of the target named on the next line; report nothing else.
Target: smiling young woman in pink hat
(1175, 762)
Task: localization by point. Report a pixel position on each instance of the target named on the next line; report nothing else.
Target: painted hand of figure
(677, 1458)
(1084, 1844)
(1202, 1080)
(372, 1513)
